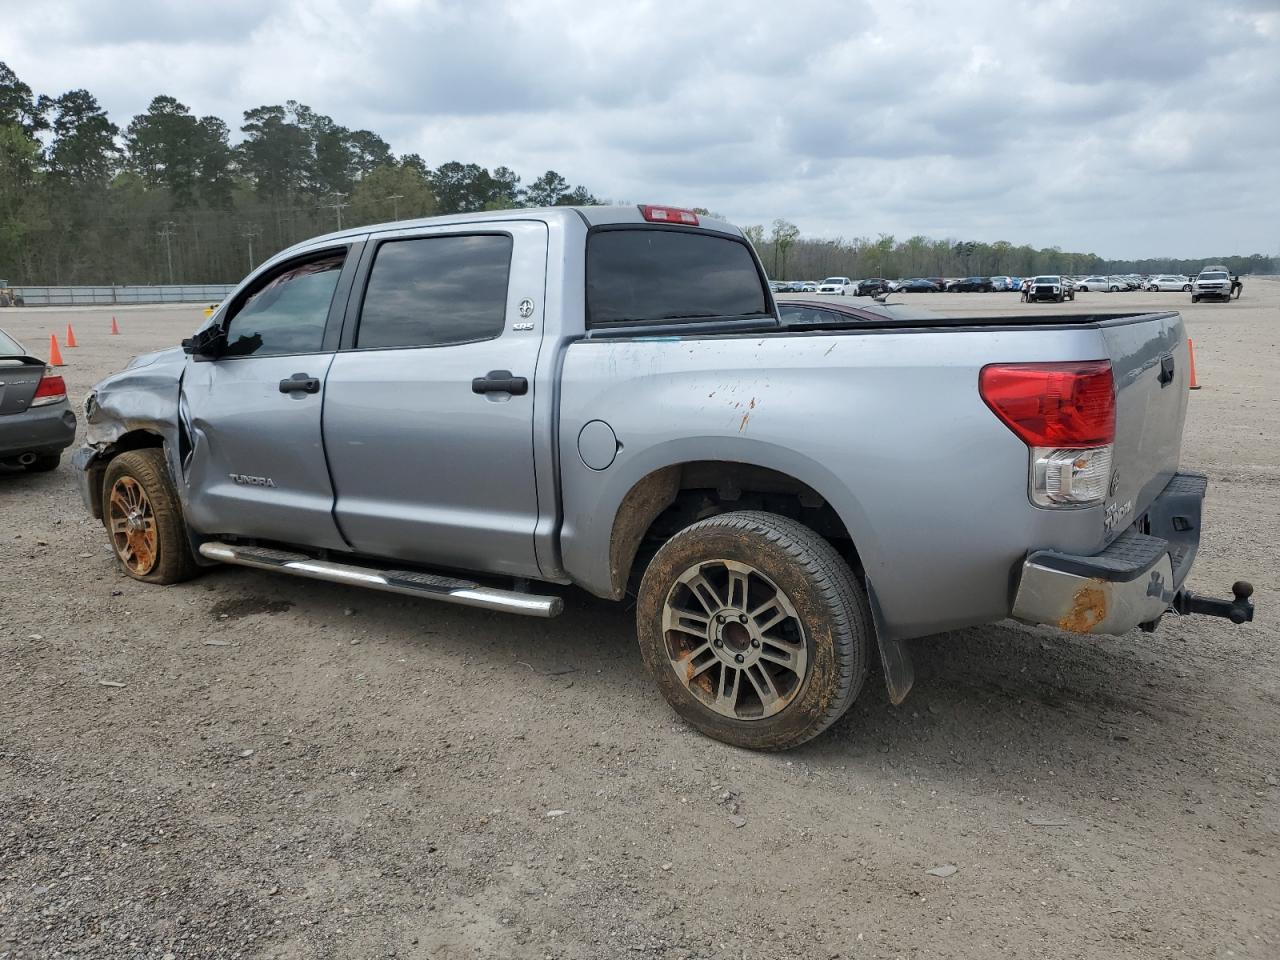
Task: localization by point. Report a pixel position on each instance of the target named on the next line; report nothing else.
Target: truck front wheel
(755, 629)
(143, 517)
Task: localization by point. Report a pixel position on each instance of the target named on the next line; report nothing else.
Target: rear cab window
(655, 276)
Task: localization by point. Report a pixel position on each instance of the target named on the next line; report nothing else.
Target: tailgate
(1149, 412)
(19, 377)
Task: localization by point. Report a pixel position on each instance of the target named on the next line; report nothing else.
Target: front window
(286, 313)
(1213, 276)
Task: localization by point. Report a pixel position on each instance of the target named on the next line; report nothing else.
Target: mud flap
(899, 673)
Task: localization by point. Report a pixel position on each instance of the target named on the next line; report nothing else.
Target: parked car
(970, 285)
(1213, 283)
(36, 421)
(840, 285)
(1107, 284)
(1002, 284)
(1056, 288)
(1168, 282)
(809, 286)
(917, 286)
(488, 423)
(872, 286)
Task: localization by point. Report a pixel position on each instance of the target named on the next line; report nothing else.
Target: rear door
(428, 412)
(256, 464)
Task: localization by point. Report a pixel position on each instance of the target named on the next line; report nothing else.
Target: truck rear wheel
(143, 517)
(754, 629)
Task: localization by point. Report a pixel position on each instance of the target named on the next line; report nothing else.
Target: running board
(429, 586)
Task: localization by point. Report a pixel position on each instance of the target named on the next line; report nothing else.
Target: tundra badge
(248, 481)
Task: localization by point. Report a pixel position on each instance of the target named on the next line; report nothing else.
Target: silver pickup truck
(462, 408)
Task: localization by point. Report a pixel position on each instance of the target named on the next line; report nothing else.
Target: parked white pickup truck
(461, 408)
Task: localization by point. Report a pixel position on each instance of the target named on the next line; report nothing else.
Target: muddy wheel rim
(133, 526)
(734, 640)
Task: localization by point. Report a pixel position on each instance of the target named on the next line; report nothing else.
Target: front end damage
(1133, 582)
(137, 407)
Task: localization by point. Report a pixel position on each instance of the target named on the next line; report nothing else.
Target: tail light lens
(668, 215)
(50, 389)
(1053, 404)
(1066, 414)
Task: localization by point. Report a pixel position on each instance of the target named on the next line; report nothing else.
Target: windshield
(10, 347)
(1213, 276)
(833, 280)
(1046, 279)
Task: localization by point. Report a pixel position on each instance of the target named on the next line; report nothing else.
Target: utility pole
(395, 199)
(166, 234)
(249, 234)
(337, 206)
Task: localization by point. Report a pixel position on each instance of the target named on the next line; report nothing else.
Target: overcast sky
(1144, 128)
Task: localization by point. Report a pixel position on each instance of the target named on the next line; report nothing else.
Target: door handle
(500, 381)
(300, 383)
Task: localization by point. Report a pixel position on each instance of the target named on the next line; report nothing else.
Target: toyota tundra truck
(487, 408)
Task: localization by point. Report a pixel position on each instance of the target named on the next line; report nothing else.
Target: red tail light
(1053, 404)
(668, 215)
(50, 389)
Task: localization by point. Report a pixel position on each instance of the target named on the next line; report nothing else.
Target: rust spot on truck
(743, 425)
(1088, 609)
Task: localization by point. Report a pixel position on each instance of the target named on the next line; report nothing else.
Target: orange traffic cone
(71, 337)
(55, 355)
(1191, 353)
(115, 327)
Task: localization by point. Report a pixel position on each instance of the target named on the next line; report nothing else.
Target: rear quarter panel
(887, 426)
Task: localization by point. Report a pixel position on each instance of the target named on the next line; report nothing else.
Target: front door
(256, 466)
(428, 409)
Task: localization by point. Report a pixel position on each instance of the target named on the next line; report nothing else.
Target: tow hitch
(1237, 610)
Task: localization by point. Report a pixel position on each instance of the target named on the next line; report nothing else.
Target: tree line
(788, 256)
(170, 198)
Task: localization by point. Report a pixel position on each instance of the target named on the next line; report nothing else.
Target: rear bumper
(1130, 583)
(40, 430)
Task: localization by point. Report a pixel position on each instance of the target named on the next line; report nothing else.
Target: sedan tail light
(1066, 414)
(50, 389)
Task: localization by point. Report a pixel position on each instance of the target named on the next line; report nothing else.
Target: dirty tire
(827, 597)
(173, 561)
(44, 464)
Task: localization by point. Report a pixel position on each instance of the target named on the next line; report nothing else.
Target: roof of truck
(593, 216)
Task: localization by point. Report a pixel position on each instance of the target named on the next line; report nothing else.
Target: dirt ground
(292, 769)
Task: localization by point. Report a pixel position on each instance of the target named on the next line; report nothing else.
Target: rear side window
(664, 276)
(436, 291)
(286, 314)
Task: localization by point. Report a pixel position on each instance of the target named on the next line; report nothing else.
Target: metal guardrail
(114, 296)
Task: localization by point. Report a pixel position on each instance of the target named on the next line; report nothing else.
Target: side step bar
(428, 586)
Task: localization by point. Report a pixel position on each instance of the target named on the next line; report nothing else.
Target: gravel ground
(281, 768)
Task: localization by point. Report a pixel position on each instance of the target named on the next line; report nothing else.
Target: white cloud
(1145, 129)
